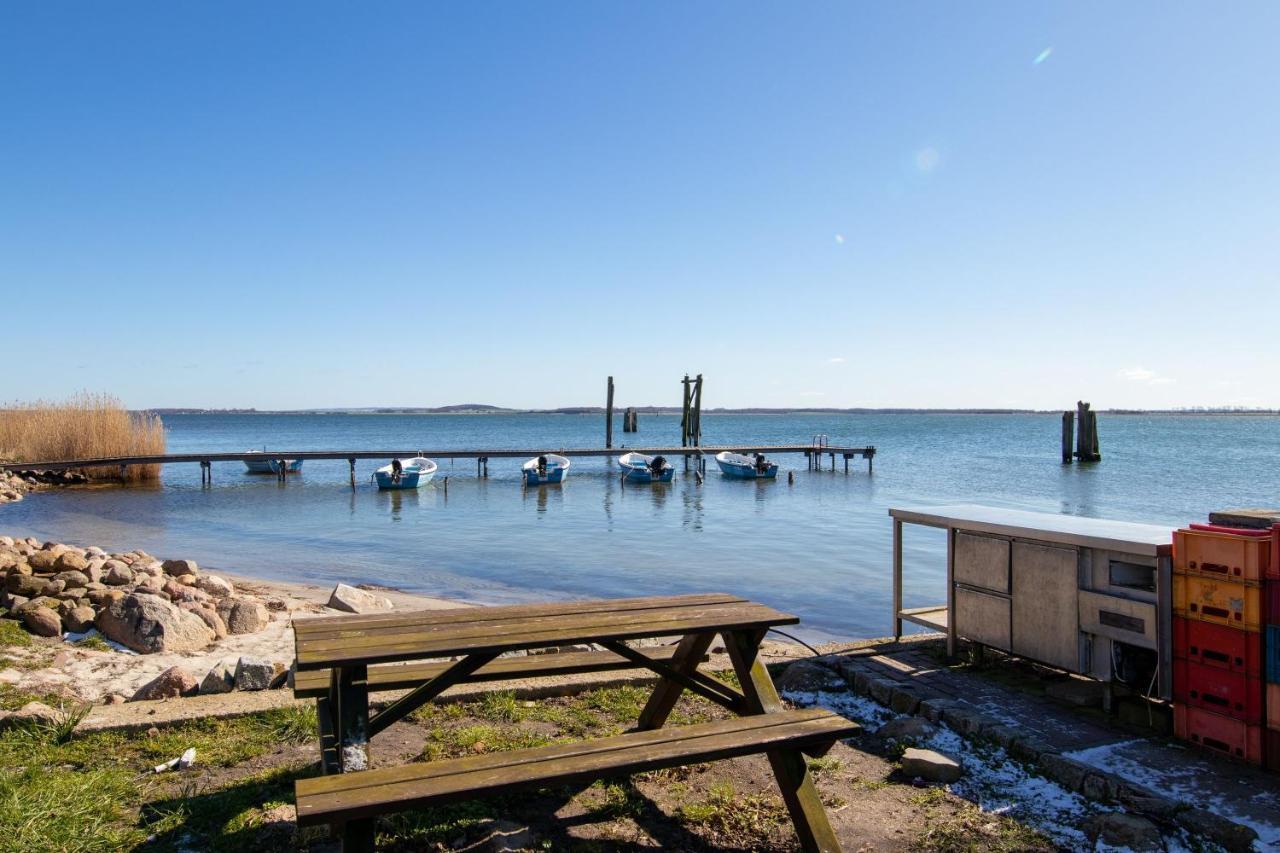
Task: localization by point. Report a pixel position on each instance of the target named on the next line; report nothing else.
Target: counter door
(1046, 610)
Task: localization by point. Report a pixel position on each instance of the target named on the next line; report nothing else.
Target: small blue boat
(638, 468)
(743, 467)
(405, 473)
(270, 465)
(549, 468)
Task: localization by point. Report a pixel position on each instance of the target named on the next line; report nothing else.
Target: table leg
(897, 580)
(350, 686)
(686, 659)
(794, 781)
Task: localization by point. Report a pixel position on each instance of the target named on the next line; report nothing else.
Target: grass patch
(49, 808)
(968, 829)
(13, 634)
(93, 642)
(732, 819)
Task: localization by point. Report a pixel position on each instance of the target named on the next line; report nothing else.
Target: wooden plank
(317, 626)
(315, 682)
(708, 688)
(667, 693)
(421, 695)
(419, 646)
(352, 796)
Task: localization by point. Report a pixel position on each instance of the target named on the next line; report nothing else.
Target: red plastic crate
(1224, 552)
(1218, 645)
(1273, 706)
(1271, 743)
(1214, 732)
(1233, 694)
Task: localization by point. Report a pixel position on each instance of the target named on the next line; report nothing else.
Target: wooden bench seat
(314, 684)
(355, 798)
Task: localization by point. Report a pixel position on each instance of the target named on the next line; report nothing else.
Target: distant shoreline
(597, 411)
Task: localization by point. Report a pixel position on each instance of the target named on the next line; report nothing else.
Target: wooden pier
(814, 454)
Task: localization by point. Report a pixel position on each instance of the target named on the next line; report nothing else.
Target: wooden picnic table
(359, 654)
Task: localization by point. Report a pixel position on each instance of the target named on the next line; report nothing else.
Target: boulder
(146, 623)
(17, 567)
(79, 620)
(32, 713)
(220, 679)
(210, 617)
(26, 586)
(930, 766)
(94, 572)
(908, 728)
(10, 560)
(806, 676)
(352, 600)
(186, 580)
(214, 585)
(72, 578)
(13, 602)
(116, 573)
(1120, 831)
(104, 597)
(70, 561)
(254, 673)
(243, 616)
(174, 681)
(176, 568)
(53, 587)
(42, 622)
(42, 561)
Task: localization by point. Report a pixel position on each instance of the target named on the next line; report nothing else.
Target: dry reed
(87, 426)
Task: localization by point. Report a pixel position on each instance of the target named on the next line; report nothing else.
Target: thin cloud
(813, 393)
(837, 360)
(840, 239)
(927, 159)
(1144, 376)
(1043, 55)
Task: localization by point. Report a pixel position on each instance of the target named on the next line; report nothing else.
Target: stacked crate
(1223, 580)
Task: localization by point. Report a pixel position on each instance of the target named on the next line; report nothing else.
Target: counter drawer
(1124, 619)
(983, 617)
(982, 561)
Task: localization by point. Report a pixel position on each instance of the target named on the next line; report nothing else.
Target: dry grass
(87, 426)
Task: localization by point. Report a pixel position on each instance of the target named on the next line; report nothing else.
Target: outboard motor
(762, 464)
(658, 463)
(542, 466)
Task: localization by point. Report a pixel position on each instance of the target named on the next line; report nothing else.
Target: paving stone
(930, 765)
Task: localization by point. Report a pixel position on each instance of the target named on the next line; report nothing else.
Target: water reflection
(399, 500)
(692, 516)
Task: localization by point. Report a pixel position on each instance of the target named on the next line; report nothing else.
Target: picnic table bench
(341, 660)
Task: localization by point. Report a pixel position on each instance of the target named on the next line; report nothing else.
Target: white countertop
(1127, 536)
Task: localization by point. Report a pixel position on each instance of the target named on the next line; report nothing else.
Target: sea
(817, 544)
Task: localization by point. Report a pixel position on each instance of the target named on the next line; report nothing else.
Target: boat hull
(408, 480)
(553, 470)
(747, 472)
(272, 466)
(644, 475)
(553, 476)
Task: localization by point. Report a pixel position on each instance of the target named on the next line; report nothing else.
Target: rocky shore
(114, 627)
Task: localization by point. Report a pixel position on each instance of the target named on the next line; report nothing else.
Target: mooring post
(870, 453)
(1068, 435)
(352, 463)
(696, 401)
(124, 473)
(684, 413)
(486, 467)
(608, 416)
(846, 463)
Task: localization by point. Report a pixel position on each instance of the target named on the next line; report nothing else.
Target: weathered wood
(350, 699)
(351, 796)
(705, 686)
(789, 767)
(664, 697)
(608, 415)
(425, 641)
(315, 683)
(1068, 434)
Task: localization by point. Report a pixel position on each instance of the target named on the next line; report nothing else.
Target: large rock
(116, 573)
(214, 585)
(104, 597)
(42, 622)
(42, 561)
(79, 620)
(220, 679)
(27, 586)
(254, 673)
(908, 728)
(32, 713)
(243, 616)
(174, 681)
(805, 676)
(70, 561)
(354, 600)
(930, 766)
(147, 623)
(211, 618)
(72, 579)
(174, 568)
(1120, 831)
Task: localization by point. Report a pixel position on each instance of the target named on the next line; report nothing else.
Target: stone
(175, 568)
(903, 701)
(1080, 692)
(908, 728)
(148, 624)
(1234, 837)
(116, 573)
(79, 620)
(243, 616)
(1065, 771)
(930, 765)
(934, 709)
(42, 622)
(93, 573)
(42, 561)
(220, 679)
(70, 561)
(254, 673)
(32, 713)
(53, 587)
(211, 618)
(173, 682)
(881, 689)
(27, 586)
(186, 580)
(1120, 831)
(805, 676)
(13, 602)
(214, 585)
(104, 597)
(113, 699)
(351, 600)
(71, 579)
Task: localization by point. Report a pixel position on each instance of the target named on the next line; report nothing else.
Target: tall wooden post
(1068, 435)
(695, 430)
(684, 415)
(608, 416)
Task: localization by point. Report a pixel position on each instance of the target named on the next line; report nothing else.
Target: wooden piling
(352, 463)
(684, 413)
(608, 415)
(1087, 433)
(1068, 435)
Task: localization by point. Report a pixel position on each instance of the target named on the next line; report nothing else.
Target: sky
(925, 204)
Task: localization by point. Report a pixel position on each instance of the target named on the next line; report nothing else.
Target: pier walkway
(814, 454)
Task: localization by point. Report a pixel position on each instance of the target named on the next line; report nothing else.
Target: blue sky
(838, 204)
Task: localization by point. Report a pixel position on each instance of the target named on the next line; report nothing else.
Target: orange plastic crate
(1236, 557)
(1219, 734)
(1221, 602)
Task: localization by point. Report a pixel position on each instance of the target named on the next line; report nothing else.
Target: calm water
(819, 548)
